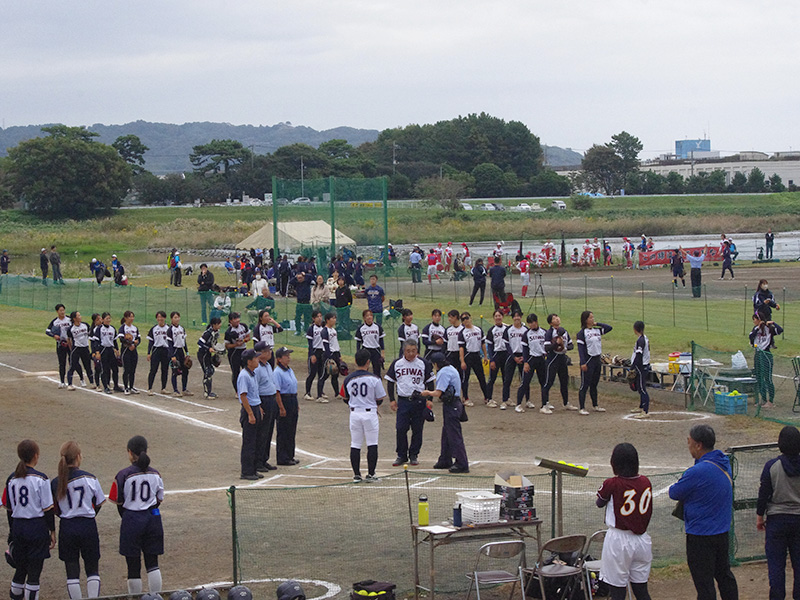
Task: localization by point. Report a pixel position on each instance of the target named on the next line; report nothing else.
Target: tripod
(538, 293)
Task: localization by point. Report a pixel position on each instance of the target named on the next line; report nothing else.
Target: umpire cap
(290, 590)
(283, 351)
(261, 346)
(248, 355)
(438, 359)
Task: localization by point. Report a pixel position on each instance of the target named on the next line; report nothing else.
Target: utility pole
(302, 179)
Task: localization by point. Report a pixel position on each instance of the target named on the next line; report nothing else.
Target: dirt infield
(195, 445)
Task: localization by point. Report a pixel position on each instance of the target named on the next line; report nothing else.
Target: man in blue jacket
(707, 494)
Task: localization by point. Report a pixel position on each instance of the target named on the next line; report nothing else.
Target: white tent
(293, 234)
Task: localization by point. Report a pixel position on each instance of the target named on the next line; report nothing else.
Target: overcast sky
(574, 71)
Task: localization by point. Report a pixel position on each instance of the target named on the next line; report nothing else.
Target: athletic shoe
(469, 403)
(270, 467)
(340, 398)
(188, 393)
(399, 461)
(439, 465)
(118, 389)
(457, 469)
(107, 390)
(151, 393)
(642, 415)
(635, 410)
(71, 388)
(323, 396)
(83, 383)
(357, 479)
(164, 392)
(414, 461)
(134, 390)
(545, 411)
(177, 394)
(570, 407)
(253, 477)
(518, 408)
(127, 392)
(308, 397)
(583, 411)
(491, 404)
(550, 406)
(530, 405)
(598, 409)
(371, 479)
(210, 396)
(503, 406)
(323, 400)
(62, 386)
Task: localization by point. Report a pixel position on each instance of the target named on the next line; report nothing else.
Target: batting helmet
(180, 595)
(240, 592)
(216, 360)
(207, 594)
(151, 596)
(290, 590)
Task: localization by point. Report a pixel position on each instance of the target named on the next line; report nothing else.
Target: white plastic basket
(479, 507)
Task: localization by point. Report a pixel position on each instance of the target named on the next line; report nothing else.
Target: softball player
(451, 337)
(265, 331)
(370, 336)
(408, 331)
(205, 354)
(556, 343)
(590, 347)
(104, 342)
(32, 527)
(433, 334)
(410, 374)
(236, 337)
(497, 354)
(332, 356)
(433, 266)
(138, 491)
(627, 549)
(470, 343)
(57, 329)
(762, 338)
(158, 352)
(524, 274)
(640, 360)
(467, 257)
(176, 338)
(515, 341)
(534, 356)
(78, 497)
(363, 393)
(316, 355)
(129, 340)
(98, 365)
(78, 334)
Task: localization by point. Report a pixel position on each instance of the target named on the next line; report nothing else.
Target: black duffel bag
(380, 590)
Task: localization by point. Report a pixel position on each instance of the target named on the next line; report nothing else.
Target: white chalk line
(333, 589)
(695, 416)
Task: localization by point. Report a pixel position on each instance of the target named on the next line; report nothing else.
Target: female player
(556, 344)
(332, 356)
(478, 280)
(158, 352)
(205, 354)
(138, 492)
(408, 331)
(470, 343)
(515, 340)
(433, 334)
(78, 334)
(533, 354)
(316, 355)
(265, 331)
(369, 336)
(176, 337)
(78, 497)
(98, 365)
(498, 354)
(764, 300)
(627, 549)
(236, 337)
(590, 347)
(57, 329)
(29, 501)
(129, 340)
(762, 337)
(640, 360)
(104, 339)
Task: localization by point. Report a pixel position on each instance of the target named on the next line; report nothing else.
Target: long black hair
(138, 447)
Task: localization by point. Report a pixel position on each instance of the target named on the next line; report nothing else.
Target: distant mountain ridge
(170, 144)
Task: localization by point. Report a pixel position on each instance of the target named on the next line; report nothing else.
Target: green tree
(70, 133)
(490, 181)
(399, 186)
(67, 175)
(132, 150)
(219, 157)
(738, 182)
(776, 184)
(550, 183)
(603, 168)
(338, 149)
(6, 195)
(441, 191)
(756, 181)
(675, 183)
(627, 147)
(582, 202)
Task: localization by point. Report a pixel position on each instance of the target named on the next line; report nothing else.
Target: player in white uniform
(177, 354)
(451, 338)
(408, 331)
(433, 334)
(78, 334)
(471, 342)
(57, 329)
(590, 347)
(78, 497)
(370, 336)
(467, 257)
(28, 499)
(363, 392)
(316, 355)
(158, 352)
(129, 340)
(332, 355)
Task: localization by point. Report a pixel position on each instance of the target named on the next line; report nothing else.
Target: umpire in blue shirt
(448, 390)
(251, 416)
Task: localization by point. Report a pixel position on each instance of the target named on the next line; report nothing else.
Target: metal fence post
(705, 299)
(234, 538)
(552, 504)
(643, 301)
(613, 311)
(744, 321)
(559, 294)
(585, 292)
(783, 315)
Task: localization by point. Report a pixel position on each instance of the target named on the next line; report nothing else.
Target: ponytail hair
(27, 451)
(70, 451)
(137, 446)
(72, 315)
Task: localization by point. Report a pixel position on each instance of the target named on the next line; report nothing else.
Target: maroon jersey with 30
(629, 502)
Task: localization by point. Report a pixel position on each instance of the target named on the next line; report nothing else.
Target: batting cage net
(351, 532)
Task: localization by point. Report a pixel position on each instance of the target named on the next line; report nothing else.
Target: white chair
(568, 544)
(496, 551)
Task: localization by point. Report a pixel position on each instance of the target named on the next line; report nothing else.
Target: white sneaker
(62, 386)
(503, 406)
(530, 405)
(570, 407)
(308, 397)
(583, 411)
(469, 403)
(83, 383)
(71, 388)
(188, 393)
(635, 410)
(177, 394)
(339, 397)
(545, 411)
(550, 406)
(151, 393)
(127, 392)
(133, 390)
(491, 404)
(642, 415)
(323, 400)
(518, 408)
(598, 409)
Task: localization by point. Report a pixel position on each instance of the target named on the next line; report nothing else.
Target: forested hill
(170, 145)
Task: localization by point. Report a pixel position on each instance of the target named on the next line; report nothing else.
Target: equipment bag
(381, 590)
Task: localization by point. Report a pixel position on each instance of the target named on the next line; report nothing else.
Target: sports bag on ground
(380, 590)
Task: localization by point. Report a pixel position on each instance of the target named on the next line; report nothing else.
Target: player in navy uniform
(206, 349)
(57, 329)
(265, 331)
(408, 331)
(496, 353)
(158, 352)
(409, 375)
(370, 336)
(96, 321)
(29, 502)
(332, 356)
(176, 337)
(236, 337)
(590, 347)
(514, 337)
(762, 338)
(534, 357)
(470, 343)
(433, 334)
(627, 549)
(104, 342)
(556, 343)
(640, 361)
(129, 340)
(363, 392)
(138, 492)
(316, 357)
(78, 497)
(78, 335)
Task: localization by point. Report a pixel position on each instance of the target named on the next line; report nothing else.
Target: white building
(787, 170)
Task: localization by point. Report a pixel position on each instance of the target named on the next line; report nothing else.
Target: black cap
(249, 355)
(283, 351)
(437, 358)
(261, 346)
(290, 590)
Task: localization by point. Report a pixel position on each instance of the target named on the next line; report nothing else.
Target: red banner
(650, 258)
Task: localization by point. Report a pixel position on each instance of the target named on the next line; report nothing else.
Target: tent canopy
(294, 234)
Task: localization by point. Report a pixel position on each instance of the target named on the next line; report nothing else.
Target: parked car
(488, 206)
(523, 207)
(466, 206)
(559, 205)
(498, 206)
(301, 201)
(535, 207)
(282, 201)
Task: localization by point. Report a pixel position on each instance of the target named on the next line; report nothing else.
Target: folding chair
(796, 379)
(498, 551)
(592, 566)
(568, 544)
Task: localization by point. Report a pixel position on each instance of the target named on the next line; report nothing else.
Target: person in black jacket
(497, 273)
(44, 264)
(302, 311)
(764, 300)
(478, 280)
(205, 283)
(284, 272)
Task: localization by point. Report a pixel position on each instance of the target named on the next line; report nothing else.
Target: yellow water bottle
(423, 512)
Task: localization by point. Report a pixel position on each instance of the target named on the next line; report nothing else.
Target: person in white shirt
(363, 393)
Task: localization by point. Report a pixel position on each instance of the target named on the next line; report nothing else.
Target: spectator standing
(778, 512)
(414, 261)
(177, 267)
(707, 494)
(764, 300)
(696, 261)
(284, 271)
(4, 260)
(375, 297)
(205, 284)
(769, 238)
(44, 264)
(762, 338)
(478, 280)
(302, 310)
(497, 275)
(55, 262)
(344, 300)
